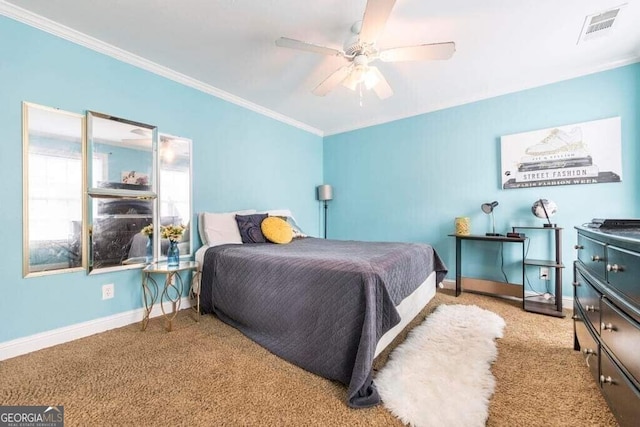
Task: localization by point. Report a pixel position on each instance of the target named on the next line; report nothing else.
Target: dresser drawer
(621, 335)
(589, 300)
(591, 253)
(623, 273)
(588, 344)
(620, 393)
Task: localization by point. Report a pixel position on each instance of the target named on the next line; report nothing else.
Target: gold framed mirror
(53, 202)
(122, 191)
(174, 203)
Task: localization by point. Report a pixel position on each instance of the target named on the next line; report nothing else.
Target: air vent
(599, 24)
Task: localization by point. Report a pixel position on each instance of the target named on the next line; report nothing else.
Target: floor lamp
(324, 193)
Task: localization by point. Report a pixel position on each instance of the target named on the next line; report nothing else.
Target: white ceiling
(226, 47)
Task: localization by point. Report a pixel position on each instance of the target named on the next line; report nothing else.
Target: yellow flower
(148, 230)
(172, 232)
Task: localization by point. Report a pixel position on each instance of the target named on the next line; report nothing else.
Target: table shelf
(551, 307)
(543, 263)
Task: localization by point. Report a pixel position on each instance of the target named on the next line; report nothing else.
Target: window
(54, 187)
(174, 201)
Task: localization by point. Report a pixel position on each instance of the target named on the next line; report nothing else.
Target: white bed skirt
(409, 309)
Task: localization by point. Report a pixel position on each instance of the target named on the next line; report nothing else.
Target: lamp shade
(324, 192)
(488, 207)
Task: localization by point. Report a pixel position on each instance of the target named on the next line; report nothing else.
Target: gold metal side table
(171, 291)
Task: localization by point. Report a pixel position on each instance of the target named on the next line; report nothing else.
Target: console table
(499, 288)
(550, 308)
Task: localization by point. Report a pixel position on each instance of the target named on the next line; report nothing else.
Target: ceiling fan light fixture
(361, 74)
(355, 77)
(350, 82)
(370, 78)
(166, 152)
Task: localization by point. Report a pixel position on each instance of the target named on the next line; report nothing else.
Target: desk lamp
(488, 209)
(545, 209)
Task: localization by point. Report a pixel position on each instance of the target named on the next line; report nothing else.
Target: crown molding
(29, 18)
(491, 94)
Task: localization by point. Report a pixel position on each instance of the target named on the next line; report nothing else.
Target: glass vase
(173, 254)
(148, 257)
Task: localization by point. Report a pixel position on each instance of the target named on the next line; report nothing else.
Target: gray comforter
(320, 304)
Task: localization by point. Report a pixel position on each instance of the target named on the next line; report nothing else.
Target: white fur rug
(441, 374)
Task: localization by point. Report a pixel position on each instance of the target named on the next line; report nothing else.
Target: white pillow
(220, 228)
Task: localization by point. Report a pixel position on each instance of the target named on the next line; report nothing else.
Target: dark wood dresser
(607, 315)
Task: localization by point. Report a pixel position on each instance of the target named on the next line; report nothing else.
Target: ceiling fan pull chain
(360, 90)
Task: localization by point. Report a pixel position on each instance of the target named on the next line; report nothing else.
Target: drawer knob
(606, 380)
(595, 258)
(607, 326)
(615, 268)
(576, 284)
(578, 247)
(588, 351)
(590, 307)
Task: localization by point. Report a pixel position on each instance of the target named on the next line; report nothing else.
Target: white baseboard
(567, 302)
(42, 340)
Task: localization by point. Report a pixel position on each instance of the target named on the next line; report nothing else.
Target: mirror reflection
(174, 199)
(122, 187)
(175, 186)
(52, 186)
(122, 153)
(139, 182)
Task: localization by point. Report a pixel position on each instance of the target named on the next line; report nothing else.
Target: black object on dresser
(607, 314)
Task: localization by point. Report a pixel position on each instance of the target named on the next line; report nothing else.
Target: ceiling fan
(360, 49)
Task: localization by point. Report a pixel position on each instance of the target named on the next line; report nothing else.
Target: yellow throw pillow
(276, 230)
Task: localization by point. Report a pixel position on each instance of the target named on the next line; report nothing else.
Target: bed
(328, 306)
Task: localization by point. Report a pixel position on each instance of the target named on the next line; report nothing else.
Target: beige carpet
(208, 373)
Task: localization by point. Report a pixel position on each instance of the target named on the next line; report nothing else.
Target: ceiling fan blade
(332, 81)
(381, 88)
(419, 52)
(309, 47)
(375, 18)
(137, 141)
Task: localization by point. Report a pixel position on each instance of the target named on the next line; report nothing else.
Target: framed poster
(581, 153)
(135, 178)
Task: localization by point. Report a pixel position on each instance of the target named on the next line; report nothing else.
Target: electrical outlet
(544, 273)
(108, 291)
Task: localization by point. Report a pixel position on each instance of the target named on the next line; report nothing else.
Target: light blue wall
(402, 181)
(407, 180)
(122, 159)
(240, 160)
